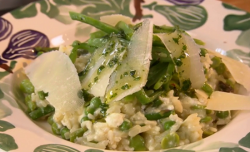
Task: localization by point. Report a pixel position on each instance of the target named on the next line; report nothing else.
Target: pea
(167, 125)
(137, 142)
(77, 133)
(209, 112)
(195, 107)
(216, 62)
(55, 129)
(50, 120)
(207, 133)
(126, 125)
(31, 106)
(170, 140)
(95, 103)
(27, 99)
(42, 95)
(63, 131)
(206, 119)
(26, 86)
(222, 114)
(207, 88)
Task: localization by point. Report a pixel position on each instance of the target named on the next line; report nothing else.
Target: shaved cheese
(55, 74)
(115, 18)
(223, 101)
(66, 49)
(101, 65)
(180, 44)
(238, 70)
(132, 74)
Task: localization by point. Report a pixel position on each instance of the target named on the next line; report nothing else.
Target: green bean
(40, 112)
(209, 112)
(95, 103)
(143, 98)
(195, 107)
(128, 98)
(55, 129)
(161, 54)
(126, 125)
(159, 115)
(168, 124)
(137, 142)
(206, 119)
(125, 28)
(97, 42)
(166, 77)
(96, 23)
(157, 103)
(26, 86)
(76, 43)
(157, 41)
(77, 133)
(203, 52)
(222, 114)
(45, 49)
(42, 95)
(63, 131)
(73, 54)
(31, 106)
(50, 120)
(163, 29)
(156, 72)
(170, 140)
(207, 88)
(199, 42)
(87, 47)
(97, 34)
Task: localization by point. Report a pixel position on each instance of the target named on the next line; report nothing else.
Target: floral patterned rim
(226, 29)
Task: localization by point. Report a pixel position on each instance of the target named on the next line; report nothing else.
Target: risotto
(134, 87)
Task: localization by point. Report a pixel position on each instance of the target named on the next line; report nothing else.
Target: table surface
(243, 4)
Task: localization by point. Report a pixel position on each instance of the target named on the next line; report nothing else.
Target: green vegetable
(163, 29)
(31, 106)
(206, 119)
(95, 103)
(26, 86)
(168, 124)
(73, 55)
(166, 77)
(222, 114)
(63, 131)
(27, 98)
(199, 42)
(157, 103)
(216, 62)
(137, 142)
(170, 140)
(195, 107)
(207, 133)
(143, 98)
(161, 54)
(126, 125)
(50, 120)
(40, 112)
(55, 129)
(96, 23)
(186, 84)
(203, 52)
(159, 115)
(42, 95)
(125, 28)
(77, 133)
(85, 118)
(156, 72)
(207, 88)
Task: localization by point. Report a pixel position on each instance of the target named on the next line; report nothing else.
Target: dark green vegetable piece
(73, 55)
(195, 107)
(156, 72)
(168, 124)
(45, 49)
(77, 133)
(97, 42)
(186, 84)
(85, 118)
(159, 115)
(203, 52)
(55, 129)
(222, 114)
(157, 41)
(63, 131)
(91, 21)
(137, 142)
(161, 54)
(163, 29)
(157, 103)
(125, 28)
(216, 62)
(207, 133)
(26, 86)
(42, 95)
(170, 140)
(31, 106)
(207, 88)
(86, 95)
(166, 77)
(206, 119)
(27, 98)
(143, 98)
(95, 103)
(126, 125)
(40, 112)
